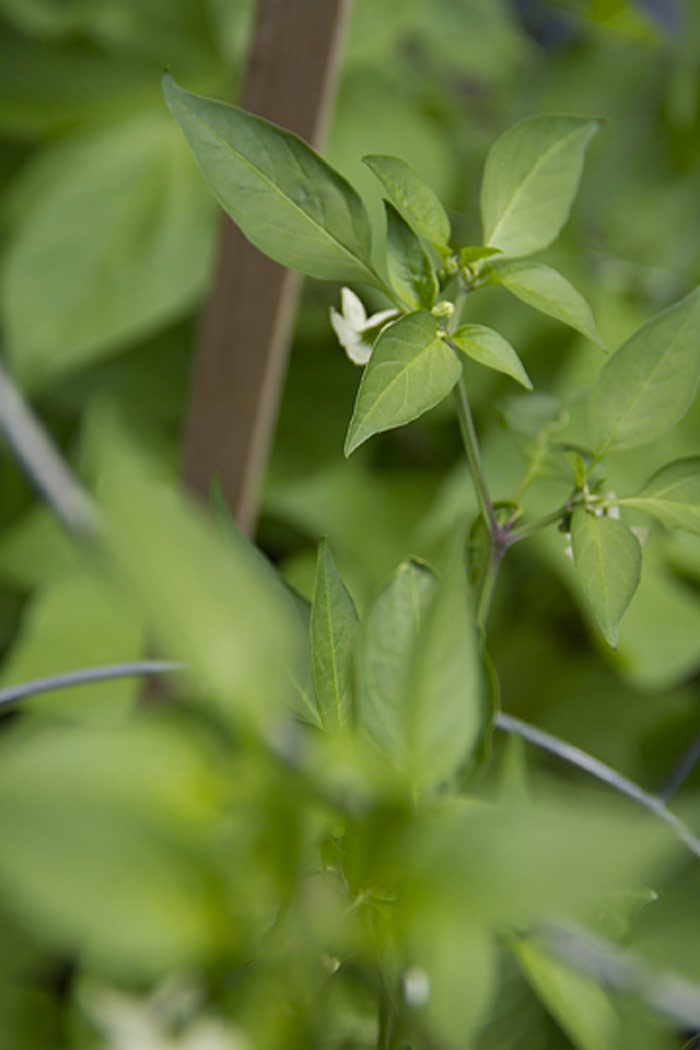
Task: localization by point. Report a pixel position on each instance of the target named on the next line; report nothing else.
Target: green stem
(488, 584)
(497, 535)
(540, 523)
(471, 446)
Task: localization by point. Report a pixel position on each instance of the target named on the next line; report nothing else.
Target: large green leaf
(116, 242)
(422, 684)
(649, 382)
(333, 627)
(672, 494)
(548, 291)
(389, 631)
(411, 271)
(411, 369)
(530, 181)
(211, 601)
(415, 200)
(446, 702)
(608, 559)
(490, 348)
(101, 845)
(286, 199)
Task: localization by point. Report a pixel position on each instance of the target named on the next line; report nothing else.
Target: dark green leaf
(411, 272)
(416, 202)
(285, 198)
(411, 369)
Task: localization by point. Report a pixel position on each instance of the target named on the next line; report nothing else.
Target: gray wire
(41, 461)
(595, 768)
(85, 675)
(667, 993)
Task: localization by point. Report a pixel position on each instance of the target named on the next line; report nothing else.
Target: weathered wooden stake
(246, 328)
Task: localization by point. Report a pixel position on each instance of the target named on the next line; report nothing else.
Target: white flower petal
(350, 339)
(353, 308)
(379, 319)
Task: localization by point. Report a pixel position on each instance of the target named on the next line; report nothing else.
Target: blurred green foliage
(159, 868)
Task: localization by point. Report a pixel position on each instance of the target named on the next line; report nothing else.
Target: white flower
(353, 324)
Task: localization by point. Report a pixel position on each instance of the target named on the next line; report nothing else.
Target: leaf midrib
(531, 174)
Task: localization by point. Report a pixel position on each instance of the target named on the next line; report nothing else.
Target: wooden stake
(246, 329)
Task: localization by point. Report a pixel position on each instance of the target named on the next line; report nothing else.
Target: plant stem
(471, 446)
(488, 583)
(497, 534)
(540, 523)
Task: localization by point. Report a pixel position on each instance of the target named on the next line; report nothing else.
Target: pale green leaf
(411, 370)
(447, 691)
(116, 242)
(423, 693)
(213, 603)
(672, 495)
(608, 559)
(415, 200)
(333, 627)
(389, 631)
(530, 181)
(411, 271)
(548, 291)
(579, 1005)
(286, 199)
(489, 348)
(101, 844)
(649, 382)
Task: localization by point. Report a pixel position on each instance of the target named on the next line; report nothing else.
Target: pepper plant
(312, 845)
(298, 210)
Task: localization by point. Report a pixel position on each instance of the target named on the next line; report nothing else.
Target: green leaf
(423, 694)
(389, 631)
(489, 348)
(411, 370)
(416, 202)
(579, 1005)
(411, 272)
(479, 254)
(649, 382)
(101, 845)
(608, 559)
(672, 495)
(530, 181)
(447, 692)
(333, 627)
(548, 291)
(214, 603)
(286, 199)
(116, 243)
